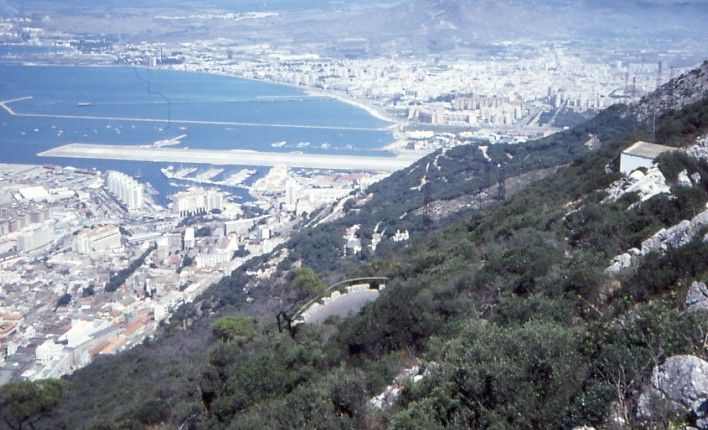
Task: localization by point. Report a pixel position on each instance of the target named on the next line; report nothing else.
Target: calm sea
(168, 97)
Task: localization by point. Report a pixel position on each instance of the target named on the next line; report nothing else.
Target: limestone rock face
(690, 87)
(682, 381)
(697, 297)
(646, 185)
(619, 263)
(675, 236)
(696, 178)
(684, 180)
(392, 392)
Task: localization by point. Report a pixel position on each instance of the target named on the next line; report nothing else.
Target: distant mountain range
(439, 25)
(445, 24)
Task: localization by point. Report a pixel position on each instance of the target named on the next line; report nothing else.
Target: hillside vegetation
(507, 312)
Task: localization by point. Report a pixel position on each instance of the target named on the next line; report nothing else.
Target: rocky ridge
(673, 95)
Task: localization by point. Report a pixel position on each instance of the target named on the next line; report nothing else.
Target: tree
(186, 262)
(238, 329)
(152, 412)
(89, 291)
(63, 300)
(306, 281)
(26, 402)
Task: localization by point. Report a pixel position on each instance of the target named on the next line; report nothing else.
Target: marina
(232, 179)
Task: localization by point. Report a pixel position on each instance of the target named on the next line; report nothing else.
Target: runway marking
(5, 105)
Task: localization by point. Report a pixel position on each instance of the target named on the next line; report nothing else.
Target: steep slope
(465, 174)
(673, 95)
(509, 311)
(493, 305)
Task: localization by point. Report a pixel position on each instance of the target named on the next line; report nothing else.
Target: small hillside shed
(641, 154)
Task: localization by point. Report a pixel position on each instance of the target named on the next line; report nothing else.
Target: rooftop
(34, 193)
(647, 150)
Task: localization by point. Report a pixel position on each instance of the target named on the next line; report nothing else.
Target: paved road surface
(342, 305)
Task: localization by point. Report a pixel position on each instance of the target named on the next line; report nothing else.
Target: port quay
(236, 157)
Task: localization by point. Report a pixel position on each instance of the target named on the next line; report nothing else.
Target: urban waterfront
(206, 111)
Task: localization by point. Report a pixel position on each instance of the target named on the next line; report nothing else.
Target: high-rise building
(292, 189)
(197, 200)
(99, 239)
(35, 238)
(214, 200)
(189, 240)
(126, 189)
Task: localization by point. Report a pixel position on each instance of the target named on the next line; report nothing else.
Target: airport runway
(236, 157)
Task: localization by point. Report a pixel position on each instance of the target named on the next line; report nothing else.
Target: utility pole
(626, 80)
(671, 87)
(501, 189)
(487, 176)
(427, 206)
(656, 105)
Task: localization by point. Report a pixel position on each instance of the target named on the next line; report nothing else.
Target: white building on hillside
(641, 154)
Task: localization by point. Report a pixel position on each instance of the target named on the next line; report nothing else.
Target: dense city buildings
(91, 264)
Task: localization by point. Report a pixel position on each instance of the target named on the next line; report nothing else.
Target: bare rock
(619, 263)
(681, 382)
(696, 178)
(697, 297)
(393, 392)
(683, 179)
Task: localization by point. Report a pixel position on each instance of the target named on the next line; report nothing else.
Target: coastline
(375, 111)
(371, 109)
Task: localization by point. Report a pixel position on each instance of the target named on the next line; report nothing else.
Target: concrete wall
(629, 163)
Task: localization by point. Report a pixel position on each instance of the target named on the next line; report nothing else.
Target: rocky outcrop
(680, 384)
(677, 235)
(624, 261)
(675, 94)
(672, 237)
(699, 149)
(697, 297)
(392, 392)
(646, 185)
